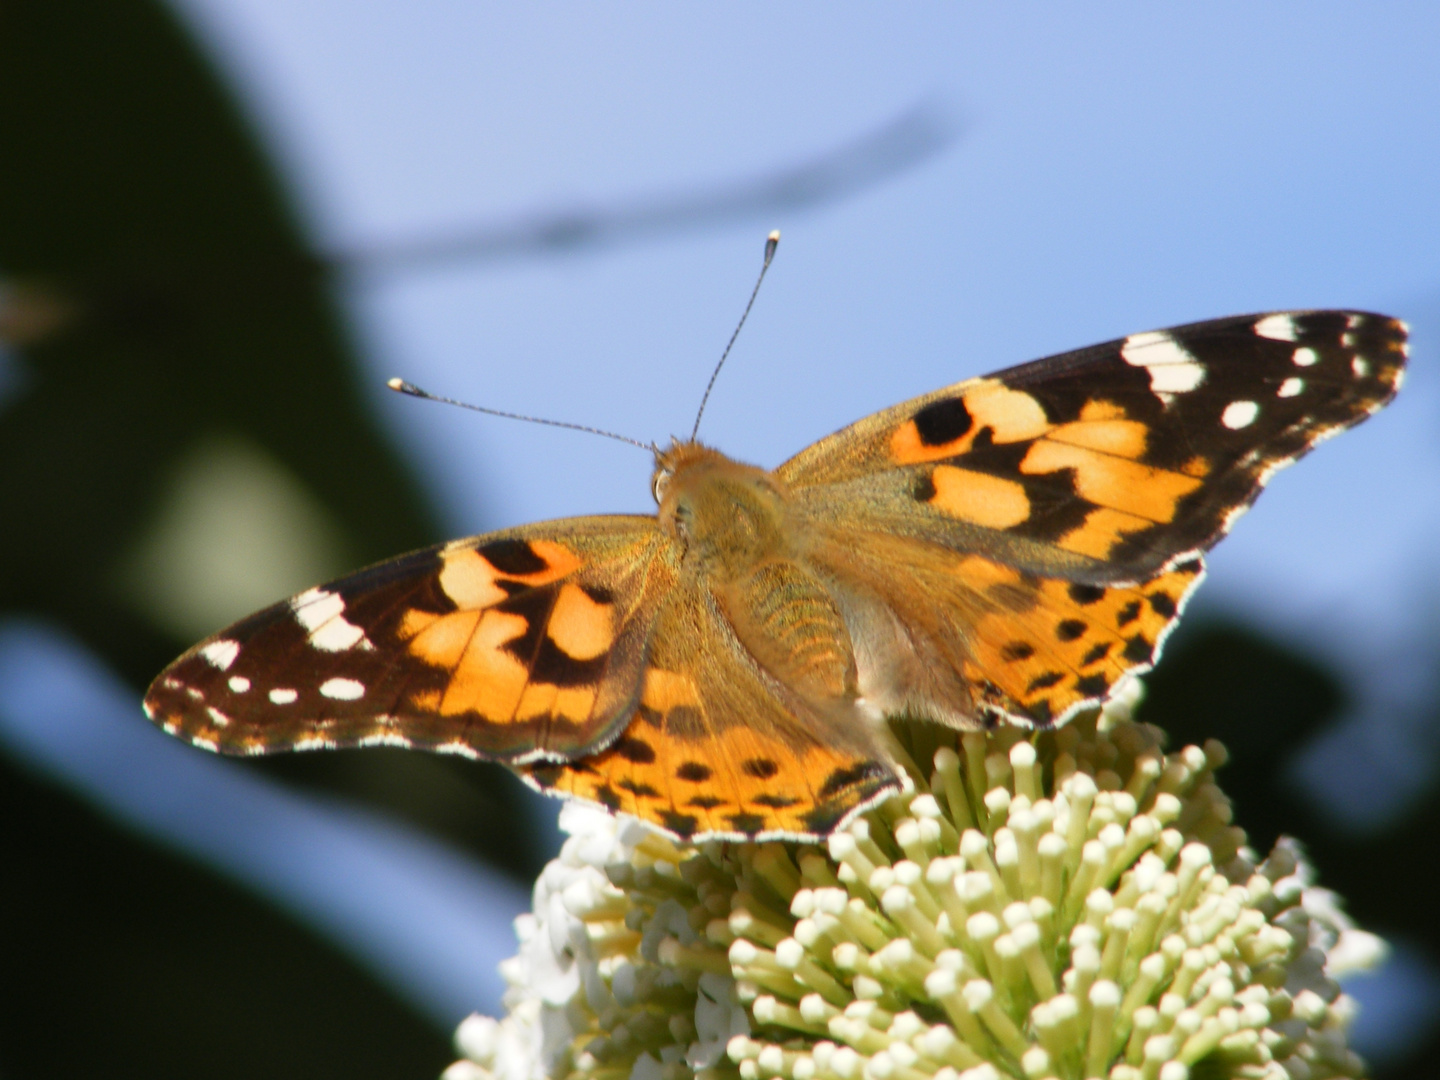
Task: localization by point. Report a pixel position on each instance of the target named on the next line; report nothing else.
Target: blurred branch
(913, 136)
(32, 311)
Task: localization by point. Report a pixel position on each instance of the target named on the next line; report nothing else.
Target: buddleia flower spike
(1070, 904)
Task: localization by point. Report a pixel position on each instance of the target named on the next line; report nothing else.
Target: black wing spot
(1189, 566)
(609, 797)
(1096, 653)
(1017, 650)
(823, 819)
(1044, 682)
(636, 750)
(1138, 649)
(649, 716)
(534, 648)
(1070, 629)
(775, 802)
(749, 824)
(943, 421)
(693, 771)
(599, 593)
(923, 490)
(682, 825)
(1041, 712)
(643, 790)
(705, 802)
(1163, 604)
(1092, 685)
(514, 557)
(555, 666)
(1085, 594)
(546, 773)
(1128, 614)
(841, 779)
(761, 768)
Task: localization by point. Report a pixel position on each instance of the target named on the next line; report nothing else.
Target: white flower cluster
(1066, 905)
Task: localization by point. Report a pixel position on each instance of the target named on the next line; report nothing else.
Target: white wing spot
(313, 608)
(221, 720)
(337, 635)
(221, 653)
(1239, 414)
(1172, 370)
(206, 744)
(1360, 366)
(170, 727)
(194, 694)
(1290, 387)
(322, 614)
(342, 689)
(314, 742)
(239, 684)
(283, 696)
(386, 738)
(1305, 356)
(458, 748)
(1276, 327)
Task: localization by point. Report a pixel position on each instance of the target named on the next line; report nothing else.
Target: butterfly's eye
(658, 483)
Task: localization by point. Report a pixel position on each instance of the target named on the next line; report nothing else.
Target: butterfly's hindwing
(719, 747)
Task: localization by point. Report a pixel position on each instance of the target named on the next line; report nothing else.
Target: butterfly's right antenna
(770, 243)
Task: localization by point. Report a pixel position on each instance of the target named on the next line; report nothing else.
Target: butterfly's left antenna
(771, 242)
(403, 387)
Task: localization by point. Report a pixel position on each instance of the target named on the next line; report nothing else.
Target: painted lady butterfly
(1007, 548)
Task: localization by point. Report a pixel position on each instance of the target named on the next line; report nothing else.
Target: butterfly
(1011, 548)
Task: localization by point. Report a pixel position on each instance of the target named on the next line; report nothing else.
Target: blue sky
(1119, 167)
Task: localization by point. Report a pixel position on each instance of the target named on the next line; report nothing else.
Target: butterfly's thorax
(732, 524)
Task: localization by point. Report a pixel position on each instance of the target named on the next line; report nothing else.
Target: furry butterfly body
(1007, 549)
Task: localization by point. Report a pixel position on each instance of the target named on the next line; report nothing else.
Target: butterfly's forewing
(720, 747)
(1088, 477)
(517, 645)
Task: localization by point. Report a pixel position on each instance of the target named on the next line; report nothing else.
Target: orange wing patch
(1081, 485)
(1100, 531)
(527, 648)
(1065, 645)
(949, 426)
(505, 595)
(472, 580)
(986, 500)
(1109, 480)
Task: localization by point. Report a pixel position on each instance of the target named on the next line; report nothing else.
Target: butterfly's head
(678, 459)
(712, 503)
